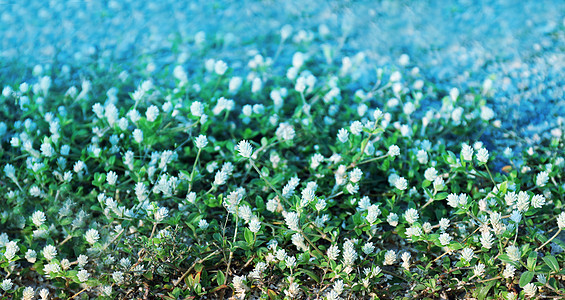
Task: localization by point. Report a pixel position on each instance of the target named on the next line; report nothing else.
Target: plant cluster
(269, 184)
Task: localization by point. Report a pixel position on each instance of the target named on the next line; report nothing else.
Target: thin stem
(490, 175)
(231, 251)
(192, 267)
(551, 239)
(373, 159)
(80, 292)
(193, 169)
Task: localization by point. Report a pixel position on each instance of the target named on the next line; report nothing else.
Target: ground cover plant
(272, 183)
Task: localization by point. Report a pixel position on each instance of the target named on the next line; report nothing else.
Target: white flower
(38, 218)
(467, 153)
(31, 256)
(430, 174)
(244, 148)
(467, 254)
(482, 155)
(439, 184)
(343, 135)
(445, 239)
(49, 252)
(196, 109)
(356, 128)
(111, 177)
(509, 271)
(285, 132)
(82, 260)
(487, 239)
(349, 253)
(443, 224)
(291, 220)
(256, 85)
(538, 201)
(561, 220)
(201, 141)
(392, 219)
(118, 277)
(542, 179)
(203, 224)
(220, 67)
(368, 248)
(92, 236)
(28, 293)
(390, 257)
(290, 262)
(479, 270)
(510, 198)
(513, 253)
(138, 135)
(6, 284)
(11, 250)
(401, 183)
(411, 215)
(422, 156)
(235, 84)
(152, 113)
(255, 225)
(393, 151)
(220, 177)
(83, 275)
(373, 213)
(332, 252)
(530, 289)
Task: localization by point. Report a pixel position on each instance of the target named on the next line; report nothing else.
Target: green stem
(193, 169)
(551, 239)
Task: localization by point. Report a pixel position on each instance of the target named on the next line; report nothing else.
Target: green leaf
(220, 278)
(311, 275)
(483, 291)
(441, 196)
(552, 262)
(532, 259)
(526, 278)
(248, 236)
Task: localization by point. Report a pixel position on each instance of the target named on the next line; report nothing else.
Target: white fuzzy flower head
(479, 270)
(92, 236)
(220, 67)
(28, 293)
(411, 215)
(542, 178)
(530, 289)
(392, 219)
(333, 252)
(201, 141)
(430, 174)
(244, 148)
(509, 271)
(49, 252)
(203, 224)
(83, 275)
(393, 151)
(561, 220)
(152, 113)
(255, 225)
(538, 201)
(482, 155)
(343, 135)
(356, 128)
(390, 257)
(138, 135)
(6, 284)
(513, 253)
(111, 177)
(401, 183)
(467, 254)
(467, 153)
(38, 218)
(291, 220)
